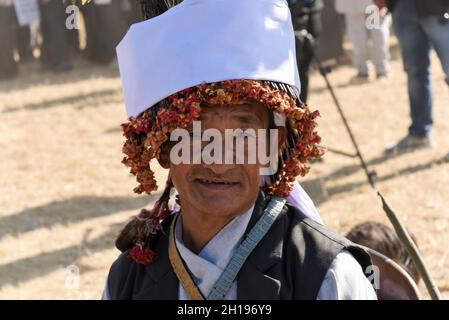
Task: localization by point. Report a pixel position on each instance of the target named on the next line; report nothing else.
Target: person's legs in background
(74, 42)
(105, 28)
(437, 29)
(415, 48)
(305, 51)
(381, 47)
(8, 66)
(56, 52)
(131, 11)
(304, 61)
(358, 35)
(24, 43)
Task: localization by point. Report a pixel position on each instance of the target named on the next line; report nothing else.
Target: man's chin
(219, 199)
(217, 192)
(222, 203)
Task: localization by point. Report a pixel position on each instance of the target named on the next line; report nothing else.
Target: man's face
(222, 189)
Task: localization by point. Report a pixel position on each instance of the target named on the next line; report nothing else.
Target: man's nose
(219, 169)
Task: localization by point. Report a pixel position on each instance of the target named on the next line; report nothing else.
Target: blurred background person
(74, 35)
(132, 12)
(420, 26)
(16, 38)
(359, 34)
(55, 50)
(306, 17)
(23, 38)
(384, 240)
(330, 42)
(105, 27)
(397, 276)
(8, 66)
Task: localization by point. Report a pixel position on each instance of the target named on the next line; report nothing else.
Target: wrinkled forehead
(246, 111)
(229, 109)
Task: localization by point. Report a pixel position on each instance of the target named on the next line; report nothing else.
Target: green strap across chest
(224, 282)
(242, 253)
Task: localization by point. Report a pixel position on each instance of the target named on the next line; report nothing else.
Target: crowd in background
(105, 23)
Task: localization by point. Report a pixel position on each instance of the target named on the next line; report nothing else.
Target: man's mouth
(217, 184)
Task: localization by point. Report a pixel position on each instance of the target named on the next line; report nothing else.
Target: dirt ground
(65, 193)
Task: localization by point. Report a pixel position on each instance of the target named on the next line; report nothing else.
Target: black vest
(290, 262)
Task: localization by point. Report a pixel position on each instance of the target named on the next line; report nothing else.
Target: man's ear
(164, 156)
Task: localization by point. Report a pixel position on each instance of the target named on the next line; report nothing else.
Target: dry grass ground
(64, 193)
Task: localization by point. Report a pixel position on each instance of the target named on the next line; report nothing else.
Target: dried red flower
(142, 254)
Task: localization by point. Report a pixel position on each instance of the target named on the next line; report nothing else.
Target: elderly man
(198, 75)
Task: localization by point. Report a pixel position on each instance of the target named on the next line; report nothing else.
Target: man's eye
(245, 134)
(244, 119)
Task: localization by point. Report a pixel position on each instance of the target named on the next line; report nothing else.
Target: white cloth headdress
(206, 41)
